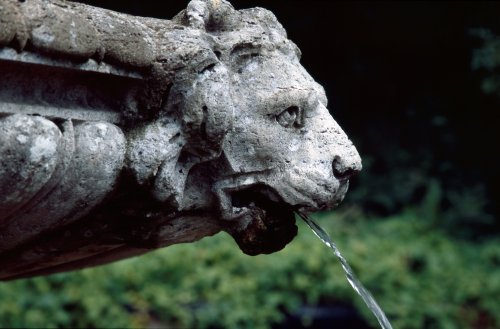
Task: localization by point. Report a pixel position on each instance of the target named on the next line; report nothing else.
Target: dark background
(400, 81)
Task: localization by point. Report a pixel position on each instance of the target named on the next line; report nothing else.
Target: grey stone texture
(122, 134)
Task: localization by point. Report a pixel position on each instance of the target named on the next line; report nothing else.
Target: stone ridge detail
(123, 134)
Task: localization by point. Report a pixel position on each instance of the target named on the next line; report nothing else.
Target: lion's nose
(345, 167)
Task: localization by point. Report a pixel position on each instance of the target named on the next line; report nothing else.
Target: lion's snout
(332, 160)
(346, 161)
(344, 167)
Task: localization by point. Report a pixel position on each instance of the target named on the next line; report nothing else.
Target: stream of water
(351, 277)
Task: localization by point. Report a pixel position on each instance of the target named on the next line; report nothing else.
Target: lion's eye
(289, 117)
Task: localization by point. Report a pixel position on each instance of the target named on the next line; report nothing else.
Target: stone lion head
(245, 132)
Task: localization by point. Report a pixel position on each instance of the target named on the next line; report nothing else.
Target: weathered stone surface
(123, 134)
(29, 156)
(12, 27)
(7, 22)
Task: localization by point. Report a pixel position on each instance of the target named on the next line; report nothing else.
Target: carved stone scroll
(122, 134)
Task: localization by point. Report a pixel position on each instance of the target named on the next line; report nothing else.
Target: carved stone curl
(122, 134)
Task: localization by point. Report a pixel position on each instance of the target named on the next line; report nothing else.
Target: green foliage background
(420, 277)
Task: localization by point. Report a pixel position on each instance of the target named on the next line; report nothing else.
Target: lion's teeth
(237, 210)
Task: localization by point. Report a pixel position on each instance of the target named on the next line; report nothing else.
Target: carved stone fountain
(123, 134)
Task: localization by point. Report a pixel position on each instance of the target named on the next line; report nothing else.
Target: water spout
(351, 277)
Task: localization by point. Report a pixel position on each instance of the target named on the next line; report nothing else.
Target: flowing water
(351, 277)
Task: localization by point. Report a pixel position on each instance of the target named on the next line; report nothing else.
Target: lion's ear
(198, 116)
(207, 111)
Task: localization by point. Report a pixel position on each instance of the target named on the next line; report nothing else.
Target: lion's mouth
(267, 223)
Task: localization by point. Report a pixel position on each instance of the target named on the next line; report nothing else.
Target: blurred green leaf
(421, 278)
